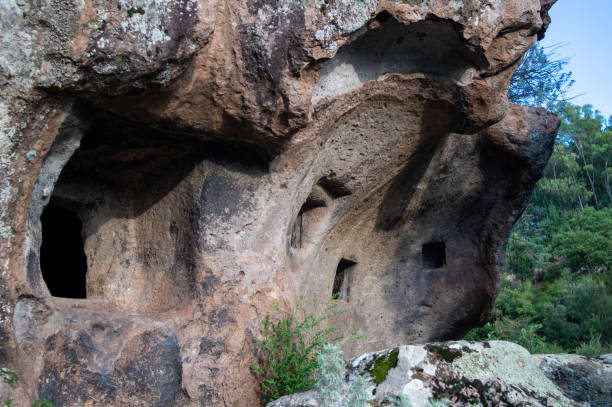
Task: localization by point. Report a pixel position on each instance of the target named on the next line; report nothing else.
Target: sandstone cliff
(195, 161)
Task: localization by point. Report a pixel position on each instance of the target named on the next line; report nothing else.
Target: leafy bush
(520, 262)
(585, 241)
(289, 347)
(583, 308)
(594, 347)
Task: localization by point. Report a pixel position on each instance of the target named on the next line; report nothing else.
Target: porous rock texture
(222, 155)
(462, 373)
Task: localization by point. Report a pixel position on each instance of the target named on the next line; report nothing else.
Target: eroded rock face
(199, 161)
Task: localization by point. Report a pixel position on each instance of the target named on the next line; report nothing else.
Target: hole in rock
(341, 289)
(62, 256)
(334, 187)
(145, 198)
(383, 16)
(434, 255)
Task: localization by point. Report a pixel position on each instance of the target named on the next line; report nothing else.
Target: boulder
(172, 169)
(462, 373)
(579, 377)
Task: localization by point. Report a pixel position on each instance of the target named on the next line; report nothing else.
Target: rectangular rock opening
(434, 255)
(62, 255)
(341, 289)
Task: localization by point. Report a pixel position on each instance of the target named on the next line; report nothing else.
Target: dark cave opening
(434, 255)
(341, 288)
(62, 255)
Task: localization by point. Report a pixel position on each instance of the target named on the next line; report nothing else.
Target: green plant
(330, 384)
(594, 347)
(289, 346)
(132, 10)
(42, 403)
(439, 403)
(330, 375)
(358, 393)
(400, 401)
(9, 377)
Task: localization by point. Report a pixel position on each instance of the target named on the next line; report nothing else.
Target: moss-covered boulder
(463, 373)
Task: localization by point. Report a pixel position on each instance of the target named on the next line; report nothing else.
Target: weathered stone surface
(462, 373)
(579, 377)
(221, 155)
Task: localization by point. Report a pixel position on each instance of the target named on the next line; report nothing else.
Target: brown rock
(210, 158)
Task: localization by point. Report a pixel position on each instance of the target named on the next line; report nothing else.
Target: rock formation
(462, 373)
(172, 168)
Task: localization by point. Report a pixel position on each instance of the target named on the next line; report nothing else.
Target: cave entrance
(341, 289)
(62, 255)
(434, 255)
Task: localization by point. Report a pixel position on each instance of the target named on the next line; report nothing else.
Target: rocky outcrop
(171, 169)
(580, 378)
(462, 373)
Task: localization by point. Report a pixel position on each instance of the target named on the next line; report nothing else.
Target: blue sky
(583, 28)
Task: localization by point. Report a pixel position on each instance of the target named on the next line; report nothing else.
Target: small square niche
(434, 255)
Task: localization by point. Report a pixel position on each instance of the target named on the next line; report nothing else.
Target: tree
(541, 79)
(587, 133)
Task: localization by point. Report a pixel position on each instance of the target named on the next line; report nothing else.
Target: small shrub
(330, 375)
(331, 387)
(289, 348)
(400, 401)
(358, 393)
(594, 347)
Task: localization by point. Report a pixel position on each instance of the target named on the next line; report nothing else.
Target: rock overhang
(264, 153)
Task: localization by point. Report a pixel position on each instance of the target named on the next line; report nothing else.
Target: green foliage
(572, 314)
(581, 310)
(330, 374)
(9, 377)
(289, 348)
(400, 401)
(133, 10)
(330, 385)
(594, 347)
(514, 302)
(555, 294)
(540, 80)
(42, 403)
(584, 241)
(521, 262)
(358, 391)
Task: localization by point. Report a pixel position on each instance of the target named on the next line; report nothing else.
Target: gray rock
(579, 377)
(463, 373)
